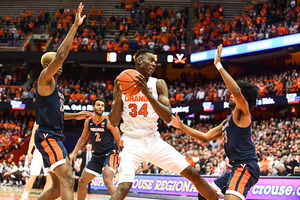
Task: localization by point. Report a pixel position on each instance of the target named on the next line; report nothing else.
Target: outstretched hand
(84, 115)
(218, 55)
(79, 19)
(176, 121)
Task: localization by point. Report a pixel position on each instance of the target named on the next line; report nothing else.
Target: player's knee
(124, 187)
(82, 182)
(68, 182)
(190, 173)
(107, 182)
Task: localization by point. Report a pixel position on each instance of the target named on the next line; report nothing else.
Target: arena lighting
(128, 58)
(111, 57)
(170, 58)
(208, 106)
(292, 98)
(17, 105)
(251, 47)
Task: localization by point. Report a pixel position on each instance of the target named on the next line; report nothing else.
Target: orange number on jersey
(98, 138)
(133, 108)
(142, 111)
(61, 105)
(225, 136)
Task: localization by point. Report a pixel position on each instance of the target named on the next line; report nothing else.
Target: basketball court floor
(14, 193)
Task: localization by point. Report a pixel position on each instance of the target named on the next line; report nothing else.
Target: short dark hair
(142, 52)
(249, 91)
(99, 99)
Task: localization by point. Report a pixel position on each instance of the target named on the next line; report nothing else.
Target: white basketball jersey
(139, 117)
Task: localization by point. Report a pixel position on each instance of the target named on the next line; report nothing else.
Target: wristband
(219, 66)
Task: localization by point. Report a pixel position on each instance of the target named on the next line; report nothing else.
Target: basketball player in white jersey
(141, 139)
(35, 167)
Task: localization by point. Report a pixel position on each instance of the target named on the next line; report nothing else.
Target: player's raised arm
(63, 50)
(117, 105)
(232, 86)
(82, 140)
(212, 134)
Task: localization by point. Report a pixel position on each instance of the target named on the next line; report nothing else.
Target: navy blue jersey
(50, 111)
(238, 142)
(102, 139)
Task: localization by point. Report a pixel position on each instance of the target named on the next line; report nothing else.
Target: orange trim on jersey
(104, 117)
(243, 182)
(57, 149)
(48, 150)
(235, 178)
(121, 143)
(112, 161)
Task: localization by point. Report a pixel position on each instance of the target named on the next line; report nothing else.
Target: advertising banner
(266, 188)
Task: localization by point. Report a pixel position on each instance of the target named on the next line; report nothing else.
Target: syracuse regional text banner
(266, 188)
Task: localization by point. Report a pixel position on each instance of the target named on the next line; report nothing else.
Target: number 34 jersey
(139, 117)
(102, 139)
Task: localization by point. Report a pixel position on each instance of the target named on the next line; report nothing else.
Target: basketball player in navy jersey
(236, 132)
(50, 117)
(140, 139)
(105, 157)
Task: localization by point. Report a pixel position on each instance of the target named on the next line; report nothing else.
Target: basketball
(127, 80)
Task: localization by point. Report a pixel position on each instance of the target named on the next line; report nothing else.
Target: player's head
(47, 59)
(249, 91)
(99, 106)
(145, 62)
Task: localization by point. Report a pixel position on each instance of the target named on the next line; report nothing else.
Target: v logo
(243, 165)
(45, 135)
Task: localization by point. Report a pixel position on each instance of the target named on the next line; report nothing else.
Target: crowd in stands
(158, 29)
(259, 21)
(184, 90)
(15, 129)
(154, 28)
(12, 28)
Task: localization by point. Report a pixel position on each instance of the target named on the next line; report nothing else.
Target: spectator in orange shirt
(93, 11)
(99, 14)
(72, 97)
(93, 96)
(78, 97)
(279, 87)
(7, 17)
(265, 162)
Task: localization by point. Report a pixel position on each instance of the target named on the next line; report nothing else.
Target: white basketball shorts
(150, 149)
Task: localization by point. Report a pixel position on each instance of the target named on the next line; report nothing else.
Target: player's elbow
(168, 118)
(60, 56)
(204, 139)
(236, 91)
